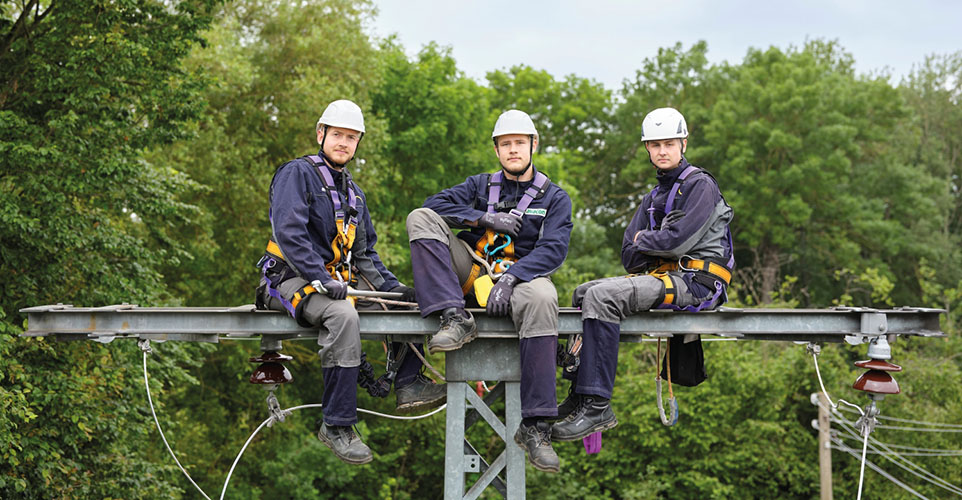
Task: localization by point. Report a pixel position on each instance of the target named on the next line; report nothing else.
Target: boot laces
(581, 407)
(542, 436)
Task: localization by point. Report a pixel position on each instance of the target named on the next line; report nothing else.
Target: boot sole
(542, 468)
(340, 457)
(465, 340)
(421, 405)
(597, 428)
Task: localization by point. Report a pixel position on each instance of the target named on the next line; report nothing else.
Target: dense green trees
(87, 87)
(137, 141)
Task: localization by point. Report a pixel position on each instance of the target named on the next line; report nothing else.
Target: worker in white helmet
(679, 246)
(516, 226)
(322, 242)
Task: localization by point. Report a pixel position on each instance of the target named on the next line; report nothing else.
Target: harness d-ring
(672, 403)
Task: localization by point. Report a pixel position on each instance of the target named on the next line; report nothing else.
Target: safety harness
(496, 250)
(710, 273)
(276, 270)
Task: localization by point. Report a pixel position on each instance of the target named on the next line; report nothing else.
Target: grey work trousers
(534, 304)
(615, 298)
(341, 344)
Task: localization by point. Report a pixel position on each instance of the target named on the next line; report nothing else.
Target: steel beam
(493, 356)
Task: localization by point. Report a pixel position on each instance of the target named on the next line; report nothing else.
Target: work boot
(592, 415)
(536, 440)
(423, 393)
(569, 404)
(455, 331)
(345, 444)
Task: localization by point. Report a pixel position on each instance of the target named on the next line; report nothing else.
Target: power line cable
(936, 480)
(908, 421)
(876, 468)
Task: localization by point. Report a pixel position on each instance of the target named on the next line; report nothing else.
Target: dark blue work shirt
(303, 225)
(542, 244)
(701, 233)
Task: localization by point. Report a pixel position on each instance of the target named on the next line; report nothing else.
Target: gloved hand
(336, 290)
(408, 293)
(500, 298)
(501, 222)
(671, 218)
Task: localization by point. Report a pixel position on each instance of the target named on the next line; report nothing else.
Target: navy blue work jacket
(302, 221)
(542, 245)
(702, 233)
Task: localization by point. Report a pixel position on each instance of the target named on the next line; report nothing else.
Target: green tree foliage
(798, 132)
(150, 159)
(272, 67)
(86, 87)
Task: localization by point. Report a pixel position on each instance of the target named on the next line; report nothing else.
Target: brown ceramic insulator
(271, 356)
(271, 373)
(878, 382)
(878, 364)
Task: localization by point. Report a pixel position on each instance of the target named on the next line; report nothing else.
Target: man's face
(514, 152)
(666, 154)
(341, 143)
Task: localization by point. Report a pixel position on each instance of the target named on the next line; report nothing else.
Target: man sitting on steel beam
(322, 241)
(680, 245)
(518, 224)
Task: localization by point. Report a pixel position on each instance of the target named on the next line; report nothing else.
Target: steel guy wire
(146, 348)
(813, 348)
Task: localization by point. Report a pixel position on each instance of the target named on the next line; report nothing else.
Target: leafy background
(138, 139)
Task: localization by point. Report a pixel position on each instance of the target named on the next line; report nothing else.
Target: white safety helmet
(664, 123)
(344, 114)
(514, 121)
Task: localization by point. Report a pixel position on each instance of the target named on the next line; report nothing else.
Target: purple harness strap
(494, 192)
(335, 195)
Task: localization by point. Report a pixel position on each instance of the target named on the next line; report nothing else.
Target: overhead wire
(908, 421)
(876, 468)
(850, 427)
(145, 347)
(932, 478)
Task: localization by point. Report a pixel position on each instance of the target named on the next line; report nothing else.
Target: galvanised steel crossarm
(493, 356)
(206, 324)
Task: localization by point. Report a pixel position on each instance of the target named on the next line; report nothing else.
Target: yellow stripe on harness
(669, 286)
(301, 294)
(716, 270)
(274, 250)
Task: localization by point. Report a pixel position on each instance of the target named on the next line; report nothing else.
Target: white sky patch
(606, 40)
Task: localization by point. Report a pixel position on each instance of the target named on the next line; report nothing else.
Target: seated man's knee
(421, 219)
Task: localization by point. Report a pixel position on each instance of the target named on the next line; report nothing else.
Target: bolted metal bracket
(144, 345)
(872, 325)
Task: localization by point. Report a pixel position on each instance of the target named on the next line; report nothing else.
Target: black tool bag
(687, 362)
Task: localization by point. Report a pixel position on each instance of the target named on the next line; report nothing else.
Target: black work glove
(499, 300)
(408, 293)
(336, 290)
(501, 222)
(671, 218)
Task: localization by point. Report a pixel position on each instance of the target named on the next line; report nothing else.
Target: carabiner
(672, 405)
